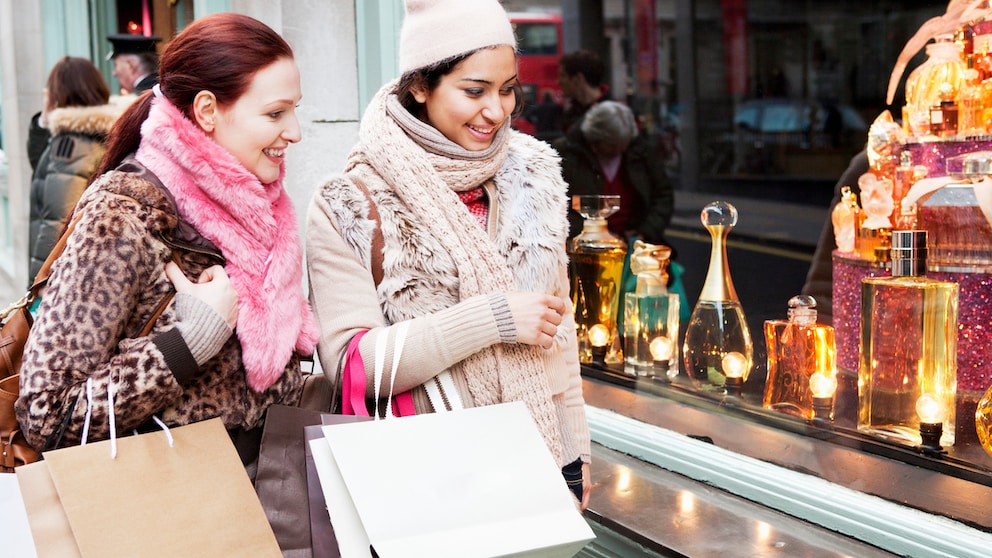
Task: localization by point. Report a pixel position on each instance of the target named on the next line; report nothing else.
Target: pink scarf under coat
(253, 224)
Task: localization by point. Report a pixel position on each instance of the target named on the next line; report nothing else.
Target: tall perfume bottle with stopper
(596, 266)
(651, 315)
(908, 345)
(717, 326)
(798, 348)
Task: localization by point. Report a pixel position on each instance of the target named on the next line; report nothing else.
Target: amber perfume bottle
(717, 327)
(908, 345)
(596, 266)
(798, 348)
(651, 316)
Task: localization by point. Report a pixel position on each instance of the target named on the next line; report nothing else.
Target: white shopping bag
(476, 482)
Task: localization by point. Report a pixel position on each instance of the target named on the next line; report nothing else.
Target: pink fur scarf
(253, 224)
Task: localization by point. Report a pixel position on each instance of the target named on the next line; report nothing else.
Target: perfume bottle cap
(802, 309)
(909, 253)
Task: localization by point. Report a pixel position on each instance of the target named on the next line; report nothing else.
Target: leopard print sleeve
(107, 280)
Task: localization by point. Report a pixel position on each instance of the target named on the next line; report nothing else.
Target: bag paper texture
(153, 500)
(477, 482)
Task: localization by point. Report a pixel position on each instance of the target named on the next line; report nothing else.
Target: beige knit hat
(435, 30)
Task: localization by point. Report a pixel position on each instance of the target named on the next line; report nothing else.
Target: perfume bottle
(798, 348)
(845, 218)
(942, 71)
(983, 421)
(596, 259)
(717, 327)
(908, 345)
(650, 315)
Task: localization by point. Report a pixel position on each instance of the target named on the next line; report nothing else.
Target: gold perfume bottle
(908, 345)
(651, 316)
(717, 327)
(798, 348)
(596, 264)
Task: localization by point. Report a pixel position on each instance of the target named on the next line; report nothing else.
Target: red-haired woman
(193, 173)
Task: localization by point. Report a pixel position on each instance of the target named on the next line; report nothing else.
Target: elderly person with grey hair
(605, 154)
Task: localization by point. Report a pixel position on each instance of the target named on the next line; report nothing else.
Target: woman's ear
(419, 92)
(205, 110)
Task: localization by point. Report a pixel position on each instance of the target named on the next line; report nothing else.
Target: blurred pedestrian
(66, 142)
(605, 154)
(135, 62)
(580, 76)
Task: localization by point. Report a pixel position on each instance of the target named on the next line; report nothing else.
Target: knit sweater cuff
(504, 318)
(203, 329)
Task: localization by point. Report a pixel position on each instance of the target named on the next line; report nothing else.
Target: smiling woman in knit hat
(467, 249)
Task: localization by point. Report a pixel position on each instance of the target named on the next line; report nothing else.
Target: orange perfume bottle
(798, 348)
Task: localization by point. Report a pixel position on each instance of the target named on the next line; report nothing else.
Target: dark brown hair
(586, 62)
(76, 82)
(430, 76)
(219, 53)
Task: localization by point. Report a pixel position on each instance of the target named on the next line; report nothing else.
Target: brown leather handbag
(17, 322)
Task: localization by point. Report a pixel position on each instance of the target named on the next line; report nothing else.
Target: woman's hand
(213, 287)
(536, 317)
(586, 485)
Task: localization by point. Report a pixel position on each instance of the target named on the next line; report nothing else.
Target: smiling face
(258, 127)
(475, 99)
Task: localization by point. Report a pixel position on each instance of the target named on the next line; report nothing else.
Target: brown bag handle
(377, 241)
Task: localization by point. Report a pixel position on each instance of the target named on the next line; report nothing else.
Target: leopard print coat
(102, 291)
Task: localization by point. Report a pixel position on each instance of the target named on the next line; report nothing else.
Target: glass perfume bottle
(983, 421)
(798, 348)
(717, 326)
(908, 345)
(943, 70)
(596, 264)
(650, 315)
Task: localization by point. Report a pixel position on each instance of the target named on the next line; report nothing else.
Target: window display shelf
(956, 485)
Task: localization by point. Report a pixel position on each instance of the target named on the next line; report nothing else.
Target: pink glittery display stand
(974, 319)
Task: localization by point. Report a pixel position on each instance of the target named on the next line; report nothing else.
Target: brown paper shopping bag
(190, 498)
(49, 525)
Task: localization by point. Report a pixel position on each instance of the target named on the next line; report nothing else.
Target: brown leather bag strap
(46, 268)
(377, 242)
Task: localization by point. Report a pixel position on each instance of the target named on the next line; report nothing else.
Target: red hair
(219, 53)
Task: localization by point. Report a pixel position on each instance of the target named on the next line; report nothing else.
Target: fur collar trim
(253, 224)
(93, 121)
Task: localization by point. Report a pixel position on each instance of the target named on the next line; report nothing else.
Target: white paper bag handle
(112, 418)
(380, 362)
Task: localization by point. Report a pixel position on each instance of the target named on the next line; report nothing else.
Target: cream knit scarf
(253, 224)
(425, 170)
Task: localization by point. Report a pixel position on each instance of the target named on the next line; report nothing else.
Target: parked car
(790, 136)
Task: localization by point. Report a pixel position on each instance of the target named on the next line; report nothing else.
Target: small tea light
(823, 387)
(931, 412)
(599, 338)
(662, 348)
(734, 366)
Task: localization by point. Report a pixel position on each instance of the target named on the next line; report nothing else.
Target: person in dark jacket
(66, 142)
(604, 154)
(820, 277)
(135, 62)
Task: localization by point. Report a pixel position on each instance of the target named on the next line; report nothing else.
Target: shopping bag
(15, 531)
(323, 540)
(477, 482)
(49, 525)
(178, 492)
(281, 482)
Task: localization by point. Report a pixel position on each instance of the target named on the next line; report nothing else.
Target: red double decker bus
(540, 44)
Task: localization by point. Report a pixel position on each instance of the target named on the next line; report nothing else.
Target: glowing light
(661, 348)
(822, 385)
(930, 409)
(734, 365)
(599, 335)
